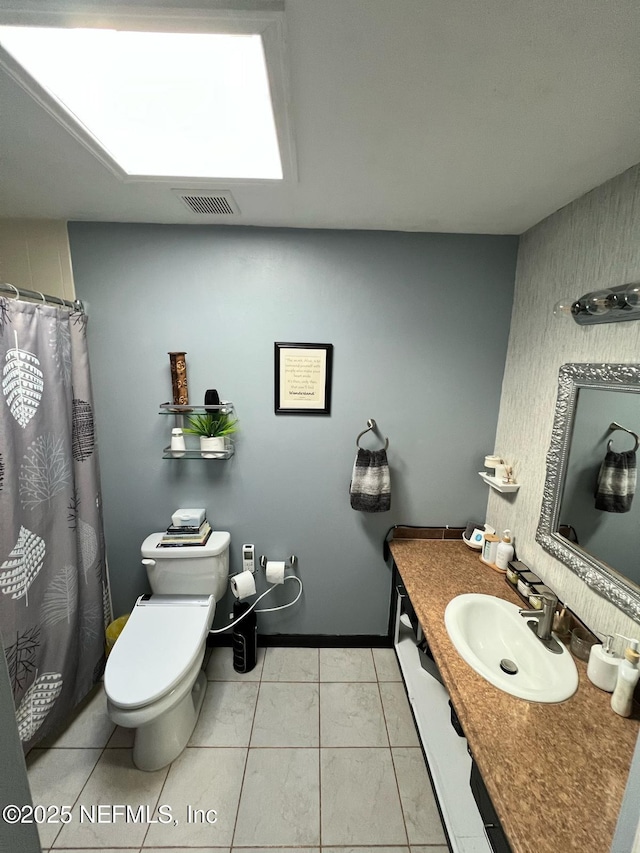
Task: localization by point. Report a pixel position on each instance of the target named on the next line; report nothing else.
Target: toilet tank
(188, 569)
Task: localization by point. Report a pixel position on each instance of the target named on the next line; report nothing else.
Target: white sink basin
(487, 631)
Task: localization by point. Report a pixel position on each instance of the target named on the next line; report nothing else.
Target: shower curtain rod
(76, 305)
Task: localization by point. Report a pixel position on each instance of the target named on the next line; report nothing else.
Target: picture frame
(302, 378)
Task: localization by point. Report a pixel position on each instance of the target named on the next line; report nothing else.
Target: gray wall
(419, 324)
(590, 244)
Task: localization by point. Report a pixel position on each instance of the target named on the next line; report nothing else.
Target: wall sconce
(602, 306)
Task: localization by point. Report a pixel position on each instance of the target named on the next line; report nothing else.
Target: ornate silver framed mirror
(597, 410)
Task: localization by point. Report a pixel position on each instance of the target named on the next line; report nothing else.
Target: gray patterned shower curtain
(54, 596)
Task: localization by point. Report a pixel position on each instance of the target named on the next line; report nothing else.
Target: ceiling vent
(220, 203)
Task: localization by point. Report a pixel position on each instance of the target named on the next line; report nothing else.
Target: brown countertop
(556, 773)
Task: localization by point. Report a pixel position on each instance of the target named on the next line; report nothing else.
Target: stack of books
(185, 536)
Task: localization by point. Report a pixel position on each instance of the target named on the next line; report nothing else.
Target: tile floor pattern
(314, 750)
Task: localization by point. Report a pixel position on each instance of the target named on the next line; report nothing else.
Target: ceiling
(478, 116)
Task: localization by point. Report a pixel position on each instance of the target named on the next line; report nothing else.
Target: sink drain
(508, 666)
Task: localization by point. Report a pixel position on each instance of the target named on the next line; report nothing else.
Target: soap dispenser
(628, 674)
(505, 551)
(602, 669)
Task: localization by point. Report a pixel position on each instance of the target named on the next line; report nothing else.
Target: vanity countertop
(556, 773)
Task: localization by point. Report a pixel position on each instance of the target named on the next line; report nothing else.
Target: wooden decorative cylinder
(179, 378)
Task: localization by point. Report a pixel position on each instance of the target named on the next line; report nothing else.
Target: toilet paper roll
(275, 571)
(243, 585)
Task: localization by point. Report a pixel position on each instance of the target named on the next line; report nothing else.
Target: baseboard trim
(326, 641)
(313, 641)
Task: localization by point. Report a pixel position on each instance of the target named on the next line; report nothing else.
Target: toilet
(153, 680)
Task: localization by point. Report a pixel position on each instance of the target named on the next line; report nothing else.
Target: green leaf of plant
(211, 425)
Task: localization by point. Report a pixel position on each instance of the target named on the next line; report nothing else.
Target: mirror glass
(590, 535)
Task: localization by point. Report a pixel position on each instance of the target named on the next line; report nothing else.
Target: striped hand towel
(616, 481)
(370, 488)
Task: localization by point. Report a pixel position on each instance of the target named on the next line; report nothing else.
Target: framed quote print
(303, 378)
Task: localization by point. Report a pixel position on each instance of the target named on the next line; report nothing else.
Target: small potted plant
(212, 427)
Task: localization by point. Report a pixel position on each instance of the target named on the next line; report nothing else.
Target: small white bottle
(603, 665)
(504, 551)
(178, 446)
(628, 674)
(489, 549)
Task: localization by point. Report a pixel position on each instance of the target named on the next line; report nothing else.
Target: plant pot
(212, 446)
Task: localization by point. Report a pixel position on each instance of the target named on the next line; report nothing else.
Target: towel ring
(371, 426)
(634, 435)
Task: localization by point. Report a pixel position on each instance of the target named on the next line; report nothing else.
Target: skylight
(160, 104)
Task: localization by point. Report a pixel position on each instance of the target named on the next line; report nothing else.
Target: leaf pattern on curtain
(87, 546)
(72, 511)
(37, 702)
(83, 430)
(86, 537)
(21, 656)
(60, 343)
(45, 471)
(22, 383)
(23, 565)
(91, 624)
(80, 320)
(107, 609)
(60, 601)
(4, 314)
(55, 576)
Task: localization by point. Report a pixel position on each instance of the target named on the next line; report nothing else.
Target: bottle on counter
(178, 447)
(504, 551)
(489, 548)
(628, 674)
(603, 665)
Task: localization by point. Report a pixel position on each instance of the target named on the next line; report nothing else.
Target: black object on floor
(245, 639)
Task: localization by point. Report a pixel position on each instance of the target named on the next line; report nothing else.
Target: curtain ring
(42, 296)
(13, 287)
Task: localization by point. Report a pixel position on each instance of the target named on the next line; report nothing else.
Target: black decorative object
(245, 638)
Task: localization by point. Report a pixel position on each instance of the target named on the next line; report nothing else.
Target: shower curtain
(54, 595)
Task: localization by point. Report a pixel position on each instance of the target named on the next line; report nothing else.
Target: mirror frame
(599, 576)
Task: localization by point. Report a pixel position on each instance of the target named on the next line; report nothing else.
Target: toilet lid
(159, 643)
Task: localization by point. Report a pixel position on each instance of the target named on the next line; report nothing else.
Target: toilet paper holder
(292, 561)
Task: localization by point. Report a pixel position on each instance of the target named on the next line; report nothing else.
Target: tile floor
(314, 750)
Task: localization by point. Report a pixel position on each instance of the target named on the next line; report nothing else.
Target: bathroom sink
(492, 637)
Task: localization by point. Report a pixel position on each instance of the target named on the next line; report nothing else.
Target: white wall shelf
(181, 414)
(196, 453)
(498, 485)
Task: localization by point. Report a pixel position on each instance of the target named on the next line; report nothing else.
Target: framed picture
(303, 378)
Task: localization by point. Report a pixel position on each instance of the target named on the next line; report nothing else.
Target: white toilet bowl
(153, 679)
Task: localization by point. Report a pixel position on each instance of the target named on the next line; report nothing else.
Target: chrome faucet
(544, 616)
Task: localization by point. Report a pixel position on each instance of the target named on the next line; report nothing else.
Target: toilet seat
(159, 644)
